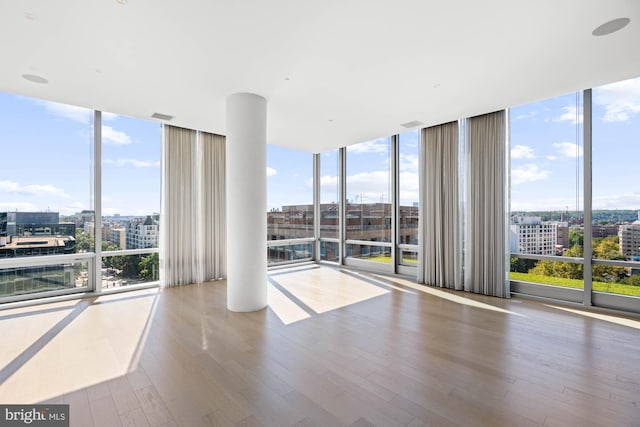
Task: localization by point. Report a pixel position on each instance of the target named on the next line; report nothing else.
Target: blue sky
(47, 159)
(547, 150)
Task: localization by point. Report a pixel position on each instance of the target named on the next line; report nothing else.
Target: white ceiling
(334, 72)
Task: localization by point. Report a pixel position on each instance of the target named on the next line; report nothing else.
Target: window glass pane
(546, 188)
(289, 193)
(329, 194)
(369, 252)
(46, 178)
(616, 200)
(368, 210)
(124, 270)
(329, 251)
(46, 191)
(287, 253)
(28, 280)
(130, 182)
(409, 145)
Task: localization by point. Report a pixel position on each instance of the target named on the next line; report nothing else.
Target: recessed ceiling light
(35, 79)
(122, 1)
(162, 116)
(611, 26)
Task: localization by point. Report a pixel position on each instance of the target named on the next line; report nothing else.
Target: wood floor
(335, 348)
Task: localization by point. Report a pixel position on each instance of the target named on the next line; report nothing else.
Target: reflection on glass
(369, 253)
(123, 270)
(28, 280)
(555, 273)
(408, 257)
(287, 253)
(329, 251)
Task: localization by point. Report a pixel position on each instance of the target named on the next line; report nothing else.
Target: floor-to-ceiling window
(547, 192)
(616, 196)
(290, 222)
(130, 200)
(368, 208)
(329, 206)
(46, 197)
(408, 199)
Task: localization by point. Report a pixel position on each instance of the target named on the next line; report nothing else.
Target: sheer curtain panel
(440, 262)
(192, 220)
(487, 208)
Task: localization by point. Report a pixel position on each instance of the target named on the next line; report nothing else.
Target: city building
(629, 235)
(142, 233)
(531, 235)
(14, 246)
(118, 236)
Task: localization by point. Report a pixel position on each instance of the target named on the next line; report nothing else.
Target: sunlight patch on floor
(326, 289)
(606, 317)
(98, 339)
(450, 296)
(286, 310)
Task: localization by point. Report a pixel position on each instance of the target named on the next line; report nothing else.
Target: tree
(576, 237)
(84, 242)
(149, 266)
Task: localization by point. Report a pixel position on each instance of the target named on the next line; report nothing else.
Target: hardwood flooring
(335, 348)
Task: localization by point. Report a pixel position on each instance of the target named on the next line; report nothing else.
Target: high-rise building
(142, 233)
(531, 235)
(629, 235)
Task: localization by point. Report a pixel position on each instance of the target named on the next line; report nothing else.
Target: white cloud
(409, 162)
(522, 152)
(110, 135)
(32, 189)
(109, 116)
(544, 204)
(329, 181)
(133, 162)
(552, 157)
(271, 171)
(629, 200)
(528, 173)
(529, 115)
(621, 100)
(571, 114)
(71, 112)
(372, 187)
(409, 191)
(17, 206)
(376, 146)
(568, 149)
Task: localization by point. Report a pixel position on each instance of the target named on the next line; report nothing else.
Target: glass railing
(30, 277)
(130, 267)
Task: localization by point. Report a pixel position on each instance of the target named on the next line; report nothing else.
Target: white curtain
(440, 261)
(192, 220)
(487, 208)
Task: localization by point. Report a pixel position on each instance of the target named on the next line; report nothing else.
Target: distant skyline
(47, 159)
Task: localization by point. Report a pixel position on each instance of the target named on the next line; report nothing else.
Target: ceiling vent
(412, 124)
(161, 116)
